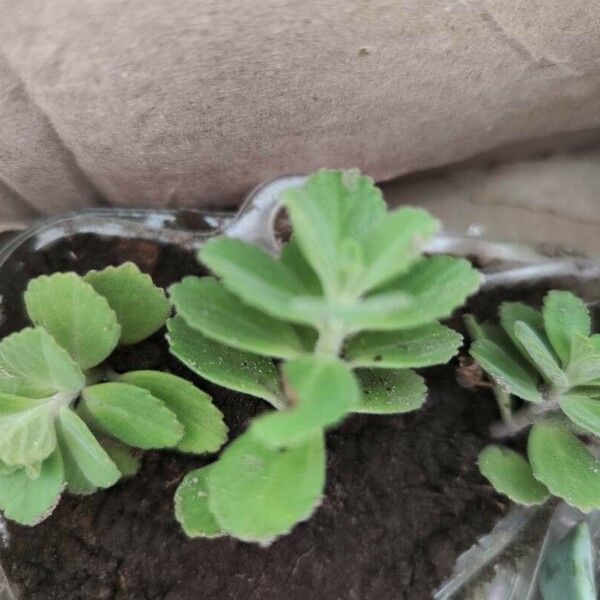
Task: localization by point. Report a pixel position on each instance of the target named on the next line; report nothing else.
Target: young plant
(332, 326)
(551, 361)
(65, 420)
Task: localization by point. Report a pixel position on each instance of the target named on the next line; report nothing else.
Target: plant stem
(523, 419)
(331, 338)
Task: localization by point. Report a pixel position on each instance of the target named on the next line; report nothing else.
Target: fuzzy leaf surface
(75, 315)
(511, 312)
(141, 307)
(257, 493)
(204, 429)
(391, 391)
(583, 411)
(295, 262)
(584, 363)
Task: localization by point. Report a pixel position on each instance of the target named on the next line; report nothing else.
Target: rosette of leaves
(333, 325)
(66, 421)
(550, 361)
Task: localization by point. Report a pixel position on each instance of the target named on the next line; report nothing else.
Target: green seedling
(67, 421)
(333, 325)
(550, 360)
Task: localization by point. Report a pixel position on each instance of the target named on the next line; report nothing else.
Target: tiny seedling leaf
(430, 344)
(132, 415)
(75, 315)
(204, 429)
(564, 465)
(257, 493)
(511, 312)
(126, 459)
(191, 505)
(223, 365)
(507, 372)
(29, 501)
(296, 263)
(565, 315)
(511, 474)
(323, 390)
(141, 307)
(206, 305)
(390, 391)
(583, 411)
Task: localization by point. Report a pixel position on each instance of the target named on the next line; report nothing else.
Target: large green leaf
(207, 306)
(10, 404)
(506, 371)
(565, 315)
(257, 278)
(323, 391)
(257, 493)
(204, 429)
(564, 465)
(78, 318)
(331, 215)
(542, 356)
(28, 436)
(80, 449)
(583, 411)
(37, 366)
(223, 365)
(29, 501)
(430, 344)
(191, 505)
(141, 307)
(511, 474)
(132, 415)
(390, 391)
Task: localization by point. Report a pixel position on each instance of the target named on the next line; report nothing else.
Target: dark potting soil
(404, 497)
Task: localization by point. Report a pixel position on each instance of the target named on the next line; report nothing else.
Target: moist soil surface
(404, 497)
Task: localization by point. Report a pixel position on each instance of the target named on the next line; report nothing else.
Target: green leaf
(141, 307)
(29, 501)
(332, 213)
(257, 493)
(10, 404)
(564, 465)
(257, 278)
(82, 452)
(295, 262)
(390, 391)
(132, 415)
(511, 474)
(506, 371)
(394, 243)
(75, 315)
(28, 436)
(37, 366)
(223, 365)
(583, 411)
(584, 362)
(191, 505)
(511, 312)
(565, 315)
(126, 459)
(204, 429)
(539, 352)
(207, 306)
(430, 344)
(323, 390)
(436, 287)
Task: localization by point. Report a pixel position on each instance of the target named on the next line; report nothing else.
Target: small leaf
(511, 312)
(295, 262)
(323, 389)
(126, 459)
(191, 505)
(564, 465)
(539, 352)
(37, 366)
(584, 362)
(10, 404)
(257, 278)
(565, 315)
(506, 371)
(207, 306)
(132, 415)
(430, 344)
(141, 307)
(390, 391)
(511, 474)
(29, 501)
(75, 315)
(257, 493)
(583, 411)
(27, 437)
(204, 429)
(223, 365)
(81, 450)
